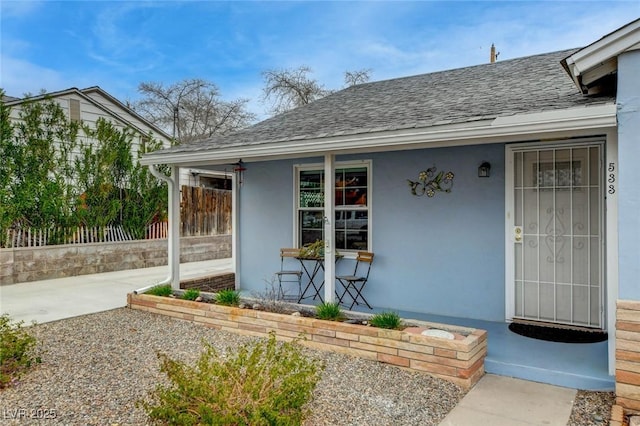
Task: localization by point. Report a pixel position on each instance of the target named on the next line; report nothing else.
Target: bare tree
(288, 89)
(351, 78)
(191, 109)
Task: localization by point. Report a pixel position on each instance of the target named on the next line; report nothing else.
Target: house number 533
(611, 178)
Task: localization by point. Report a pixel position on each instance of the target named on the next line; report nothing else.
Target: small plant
(390, 320)
(16, 351)
(265, 383)
(191, 294)
(270, 298)
(328, 311)
(315, 249)
(161, 290)
(228, 298)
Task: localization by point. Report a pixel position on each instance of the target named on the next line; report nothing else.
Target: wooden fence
(205, 211)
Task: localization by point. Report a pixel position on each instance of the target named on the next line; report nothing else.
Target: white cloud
(18, 8)
(517, 29)
(118, 44)
(19, 76)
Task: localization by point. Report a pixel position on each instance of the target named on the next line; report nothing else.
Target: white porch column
(235, 231)
(329, 228)
(173, 239)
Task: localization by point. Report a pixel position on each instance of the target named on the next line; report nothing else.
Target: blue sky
(54, 45)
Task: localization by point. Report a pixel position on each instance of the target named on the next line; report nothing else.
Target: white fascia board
(599, 71)
(605, 49)
(510, 128)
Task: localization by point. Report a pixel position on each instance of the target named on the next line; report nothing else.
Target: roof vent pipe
(494, 55)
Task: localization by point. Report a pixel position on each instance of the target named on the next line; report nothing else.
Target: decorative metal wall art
(429, 182)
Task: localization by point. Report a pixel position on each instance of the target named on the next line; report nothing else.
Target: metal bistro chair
(288, 275)
(354, 284)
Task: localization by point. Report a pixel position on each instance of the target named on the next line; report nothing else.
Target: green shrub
(228, 298)
(191, 294)
(265, 383)
(16, 351)
(328, 311)
(161, 290)
(389, 320)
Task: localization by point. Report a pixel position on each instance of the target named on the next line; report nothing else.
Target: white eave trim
(605, 50)
(502, 129)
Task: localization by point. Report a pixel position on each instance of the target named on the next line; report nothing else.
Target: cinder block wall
(40, 263)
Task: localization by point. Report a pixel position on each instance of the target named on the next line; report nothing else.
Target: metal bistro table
(315, 290)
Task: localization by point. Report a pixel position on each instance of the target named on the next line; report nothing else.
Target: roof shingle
(524, 85)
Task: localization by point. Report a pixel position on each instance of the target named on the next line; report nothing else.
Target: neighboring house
(551, 235)
(90, 104)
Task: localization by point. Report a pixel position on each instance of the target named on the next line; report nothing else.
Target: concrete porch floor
(572, 365)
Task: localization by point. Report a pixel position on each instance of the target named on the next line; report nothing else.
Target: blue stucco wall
(628, 101)
(442, 255)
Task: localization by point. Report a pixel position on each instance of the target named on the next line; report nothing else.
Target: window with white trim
(352, 205)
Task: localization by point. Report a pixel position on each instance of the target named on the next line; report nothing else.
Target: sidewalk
(51, 300)
(505, 401)
(494, 401)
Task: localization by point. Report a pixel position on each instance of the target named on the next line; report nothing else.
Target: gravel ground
(96, 367)
(591, 408)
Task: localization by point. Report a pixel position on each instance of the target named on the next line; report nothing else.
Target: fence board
(205, 211)
(31, 237)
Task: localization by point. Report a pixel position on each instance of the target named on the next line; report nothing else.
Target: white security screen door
(557, 228)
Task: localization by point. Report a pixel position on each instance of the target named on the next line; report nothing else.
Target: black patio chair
(288, 275)
(354, 284)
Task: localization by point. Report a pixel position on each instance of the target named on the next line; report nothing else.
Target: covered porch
(573, 365)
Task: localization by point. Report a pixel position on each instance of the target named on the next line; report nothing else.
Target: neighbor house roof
(6, 98)
(447, 99)
(86, 95)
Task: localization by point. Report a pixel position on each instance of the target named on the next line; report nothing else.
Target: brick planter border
(460, 361)
(627, 361)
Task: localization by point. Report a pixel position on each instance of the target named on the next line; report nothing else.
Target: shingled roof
(524, 85)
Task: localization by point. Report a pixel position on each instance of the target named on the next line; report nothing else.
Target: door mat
(558, 334)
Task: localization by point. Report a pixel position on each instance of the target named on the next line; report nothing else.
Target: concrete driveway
(51, 300)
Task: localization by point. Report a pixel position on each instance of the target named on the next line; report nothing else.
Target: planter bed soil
(460, 360)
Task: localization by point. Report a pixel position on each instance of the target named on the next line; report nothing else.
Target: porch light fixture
(239, 169)
(484, 169)
(429, 182)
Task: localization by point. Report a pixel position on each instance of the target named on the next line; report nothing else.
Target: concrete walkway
(494, 401)
(50, 300)
(505, 401)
